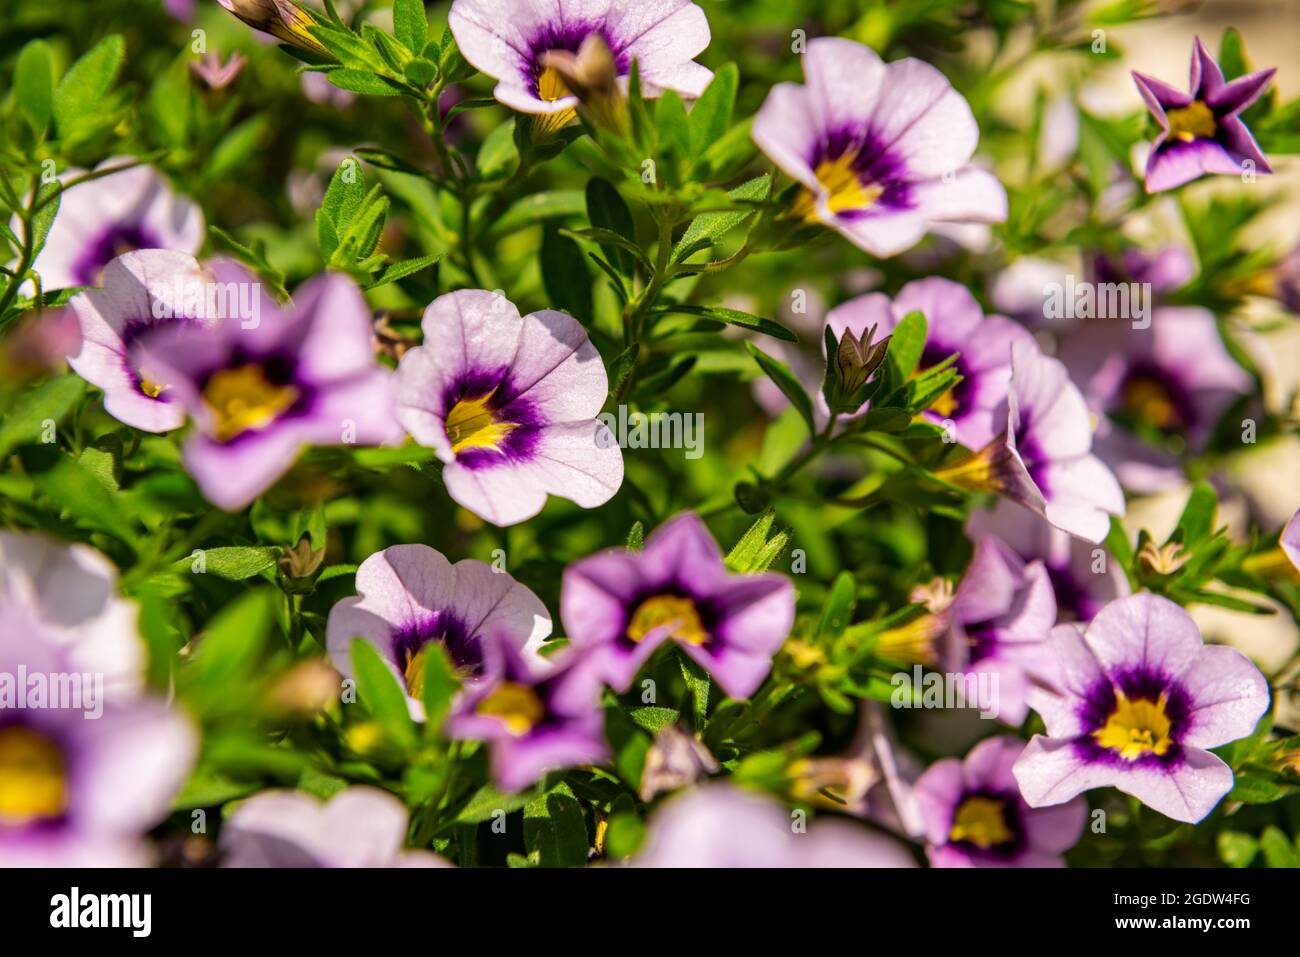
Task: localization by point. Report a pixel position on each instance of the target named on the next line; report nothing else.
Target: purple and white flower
(622, 605)
(411, 597)
(509, 403)
(1201, 130)
(975, 817)
(359, 826)
(955, 323)
(259, 391)
(722, 826)
(101, 219)
(1141, 700)
(1290, 540)
(882, 150)
(511, 41)
(538, 715)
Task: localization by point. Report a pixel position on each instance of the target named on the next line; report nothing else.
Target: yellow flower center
(516, 705)
(1136, 728)
(664, 610)
(1148, 399)
(414, 672)
(243, 399)
(844, 190)
(471, 425)
(550, 87)
(33, 785)
(150, 388)
(1191, 121)
(980, 821)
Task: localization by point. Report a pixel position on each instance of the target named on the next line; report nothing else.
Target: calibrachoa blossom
(358, 827)
(537, 715)
(411, 596)
(955, 323)
(1043, 459)
(101, 219)
(721, 826)
(509, 403)
(1290, 540)
(622, 605)
(141, 292)
(1141, 698)
(1083, 576)
(260, 390)
(513, 41)
(882, 150)
(1201, 130)
(975, 817)
(1001, 615)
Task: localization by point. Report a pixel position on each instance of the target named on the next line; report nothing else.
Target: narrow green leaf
(87, 82)
(786, 381)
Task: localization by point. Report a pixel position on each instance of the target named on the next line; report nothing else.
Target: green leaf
(652, 718)
(51, 401)
(379, 689)
(636, 537)
(487, 802)
(734, 317)
(343, 200)
(233, 563)
(699, 684)
(1237, 849)
(233, 641)
(498, 157)
(1197, 521)
(556, 830)
(565, 275)
(440, 684)
(837, 610)
(607, 210)
(235, 148)
(87, 82)
(76, 490)
(363, 82)
(711, 114)
(34, 85)
(670, 118)
(540, 206)
(906, 345)
(786, 381)
(624, 836)
(1278, 849)
(742, 555)
(710, 227)
(401, 270)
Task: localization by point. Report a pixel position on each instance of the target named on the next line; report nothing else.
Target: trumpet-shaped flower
(509, 404)
(881, 150)
(1140, 701)
(622, 605)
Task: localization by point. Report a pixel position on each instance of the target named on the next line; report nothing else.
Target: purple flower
(411, 596)
(955, 323)
(214, 74)
(721, 826)
(141, 293)
(103, 218)
(1083, 576)
(538, 715)
(263, 387)
(975, 817)
(1001, 615)
(1173, 379)
(622, 605)
(1141, 698)
(359, 826)
(882, 150)
(1044, 459)
(1290, 540)
(1201, 130)
(509, 404)
(511, 42)
(180, 9)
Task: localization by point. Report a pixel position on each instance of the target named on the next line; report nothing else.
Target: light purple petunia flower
(1140, 701)
(1044, 458)
(975, 817)
(1290, 540)
(263, 387)
(1084, 578)
(509, 40)
(882, 150)
(140, 293)
(1201, 130)
(622, 605)
(510, 405)
(538, 715)
(103, 218)
(1001, 616)
(359, 826)
(955, 323)
(86, 765)
(722, 826)
(411, 596)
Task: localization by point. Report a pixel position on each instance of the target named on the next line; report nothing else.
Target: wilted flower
(1163, 560)
(510, 405)
(524, 49)
(358, 827)
(282, 19)
(1141, 698)
(214, 74)
(676, 759)
(411, 596)
(833, 783)
(101, 219)
(955, 323)
(1286, 280)
(1202, 131)
(263, 387)
(1044, 460)
(622, 605)
(721, 826)
(591, 75)
(975, 817)
(882, 150)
